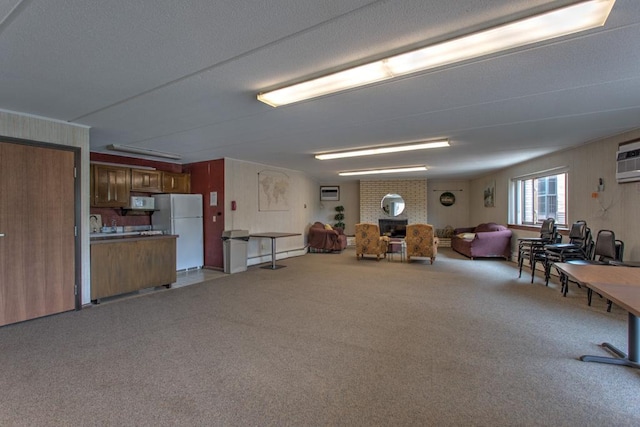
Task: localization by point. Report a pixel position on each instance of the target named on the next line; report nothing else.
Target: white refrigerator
(181, 214)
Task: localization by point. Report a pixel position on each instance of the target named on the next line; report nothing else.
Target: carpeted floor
(326, 341)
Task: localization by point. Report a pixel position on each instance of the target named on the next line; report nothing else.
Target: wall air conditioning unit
(628, 162)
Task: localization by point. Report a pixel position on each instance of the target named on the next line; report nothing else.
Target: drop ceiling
(182, 77)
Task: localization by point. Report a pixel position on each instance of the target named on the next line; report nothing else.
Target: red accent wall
(206, 177)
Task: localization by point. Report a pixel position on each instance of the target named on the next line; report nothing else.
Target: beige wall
(456, 215)
(617, 208)
(414, 193)
(241, 185)
(349, 199)
(16, 125)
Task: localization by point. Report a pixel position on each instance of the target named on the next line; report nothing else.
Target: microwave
(142, 203)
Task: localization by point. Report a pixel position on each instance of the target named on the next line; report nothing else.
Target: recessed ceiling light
(384, 150)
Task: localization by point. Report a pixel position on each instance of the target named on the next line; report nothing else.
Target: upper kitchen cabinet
(148, 181)
(109, 186)
(176, 182)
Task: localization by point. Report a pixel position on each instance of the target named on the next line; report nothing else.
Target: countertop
(97, 238)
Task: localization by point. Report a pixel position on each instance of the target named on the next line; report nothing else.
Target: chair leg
(547, 273)
(589, 296)
(564, 279)
(609, 303)
(520, 260)
(532, 264)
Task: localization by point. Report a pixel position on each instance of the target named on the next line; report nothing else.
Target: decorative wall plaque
(447, 198)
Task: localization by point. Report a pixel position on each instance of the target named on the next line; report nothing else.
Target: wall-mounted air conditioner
(628, 162)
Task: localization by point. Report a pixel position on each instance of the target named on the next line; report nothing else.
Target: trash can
(234, 250)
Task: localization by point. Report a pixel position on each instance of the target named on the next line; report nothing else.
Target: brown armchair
(421, 241)
(323, 239)
(370, 242)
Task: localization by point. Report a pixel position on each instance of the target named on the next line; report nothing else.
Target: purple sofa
(485, 240)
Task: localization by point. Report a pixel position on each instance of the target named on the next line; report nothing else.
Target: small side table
(396, 245)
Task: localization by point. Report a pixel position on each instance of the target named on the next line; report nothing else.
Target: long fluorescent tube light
(556, 23)
(377, 171)
(383, 150)
(146, 152)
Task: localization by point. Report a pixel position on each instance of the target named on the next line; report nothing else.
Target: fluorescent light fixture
(556, 23)
(378, 171)
(383, 150)
(146, 152)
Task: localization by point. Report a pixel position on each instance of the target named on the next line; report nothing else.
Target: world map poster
(273, 191)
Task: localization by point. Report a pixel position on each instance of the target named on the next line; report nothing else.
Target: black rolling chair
(533, 248)
(580, 247)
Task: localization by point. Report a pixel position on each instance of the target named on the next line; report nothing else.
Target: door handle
(1, 234)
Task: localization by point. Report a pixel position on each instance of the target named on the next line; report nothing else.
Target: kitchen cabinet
(126, 264)
(109, 186)
(148, 181)
(176, 182)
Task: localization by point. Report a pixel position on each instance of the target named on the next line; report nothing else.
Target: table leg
(622, 358)
(273, 265)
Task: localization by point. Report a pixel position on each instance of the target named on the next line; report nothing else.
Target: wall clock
(447, 199)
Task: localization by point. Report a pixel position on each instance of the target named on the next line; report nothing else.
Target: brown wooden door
(37, 249)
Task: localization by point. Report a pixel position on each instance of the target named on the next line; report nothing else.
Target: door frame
(77, 208)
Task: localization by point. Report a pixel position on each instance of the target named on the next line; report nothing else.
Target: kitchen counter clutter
(123, 231)
(123, 234)
(125, 263)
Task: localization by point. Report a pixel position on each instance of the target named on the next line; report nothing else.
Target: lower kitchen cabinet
(126, 264)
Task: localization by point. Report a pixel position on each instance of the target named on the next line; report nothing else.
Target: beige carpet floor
(328, 340)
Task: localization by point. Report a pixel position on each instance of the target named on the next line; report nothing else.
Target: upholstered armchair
(421, 241)
(370, 242)
(324, 238)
